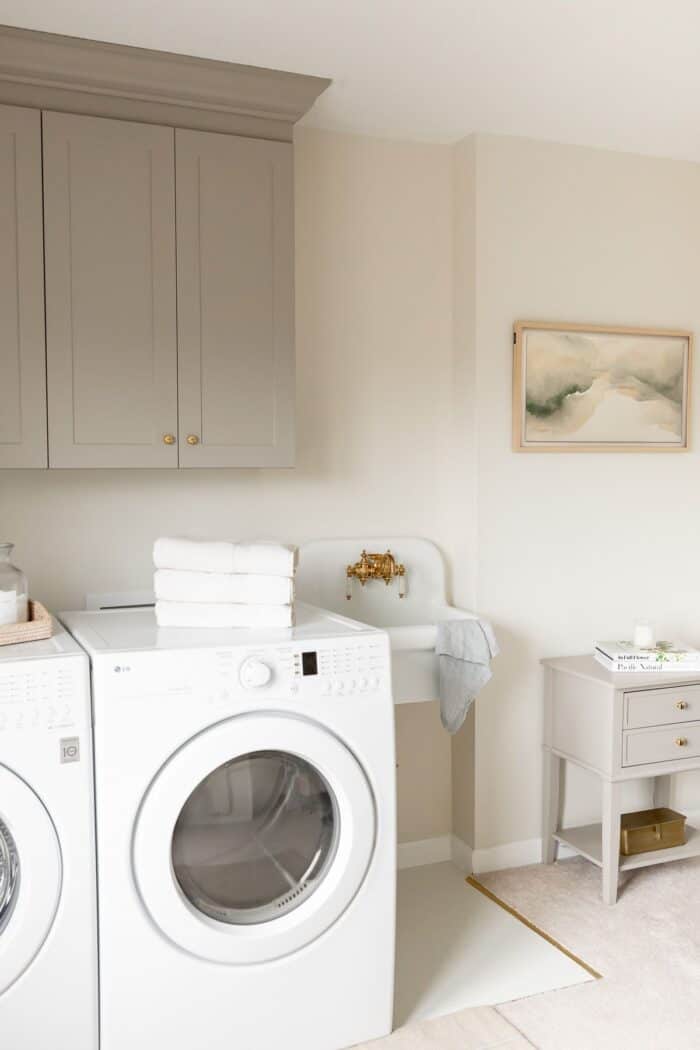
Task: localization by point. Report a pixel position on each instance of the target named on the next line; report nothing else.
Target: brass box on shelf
(651, 829)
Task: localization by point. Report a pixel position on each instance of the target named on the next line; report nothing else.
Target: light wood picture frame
(600, 388)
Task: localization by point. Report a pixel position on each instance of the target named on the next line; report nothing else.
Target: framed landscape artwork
(583, 388)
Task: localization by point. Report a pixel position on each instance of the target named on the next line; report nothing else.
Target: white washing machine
(245, 800)
(48, 933)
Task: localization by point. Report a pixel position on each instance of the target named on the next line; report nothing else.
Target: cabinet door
(109, 214)
(235, 301)
(22, 351)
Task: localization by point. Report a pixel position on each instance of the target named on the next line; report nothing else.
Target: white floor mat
(456, 949)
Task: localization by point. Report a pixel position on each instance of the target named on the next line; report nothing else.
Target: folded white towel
(175, 585)
(213, 614)
(259, 558)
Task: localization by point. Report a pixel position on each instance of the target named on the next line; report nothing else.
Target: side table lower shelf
(588, 842)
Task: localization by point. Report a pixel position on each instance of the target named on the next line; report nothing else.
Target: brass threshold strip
(531, 926)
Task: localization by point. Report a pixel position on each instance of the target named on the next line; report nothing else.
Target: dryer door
(254, 838)
(30, 876)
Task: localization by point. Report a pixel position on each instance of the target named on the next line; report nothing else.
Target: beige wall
(459, 460)
(458, 465)
(462, 746)
(424, 785)
(374, 331)
(573, 547)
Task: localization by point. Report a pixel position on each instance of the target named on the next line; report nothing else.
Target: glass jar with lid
(14, 604)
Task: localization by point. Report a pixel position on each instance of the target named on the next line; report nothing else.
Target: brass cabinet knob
(681, 741)
(168, 439)
(681, 705)
(192, 439)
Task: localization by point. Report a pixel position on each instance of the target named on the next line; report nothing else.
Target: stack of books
(665, 656)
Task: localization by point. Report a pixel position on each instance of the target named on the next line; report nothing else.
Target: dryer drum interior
(255, 838)
(9, 874)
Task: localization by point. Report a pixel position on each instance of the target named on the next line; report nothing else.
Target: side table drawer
(663, 744)
(660, 707)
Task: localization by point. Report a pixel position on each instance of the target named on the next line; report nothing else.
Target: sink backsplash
(321, 579)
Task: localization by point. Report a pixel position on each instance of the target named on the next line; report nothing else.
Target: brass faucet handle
(374, 566)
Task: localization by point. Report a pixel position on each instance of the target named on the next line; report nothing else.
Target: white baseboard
(478, 861)
(435, 850)
(512, 855)
(461, 855)
(424, 851)
(449, 847)
(509, 855)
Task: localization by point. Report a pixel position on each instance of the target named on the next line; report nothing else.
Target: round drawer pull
(682, 705)
(681, 741)
(192, 439)
(168, 439)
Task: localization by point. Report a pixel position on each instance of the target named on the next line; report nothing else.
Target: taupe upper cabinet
(169, 336)
(235, 300)
(22, 359)
(109, 220)
(119, 356)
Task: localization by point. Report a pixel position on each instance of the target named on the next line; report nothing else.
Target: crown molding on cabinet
(49, 71)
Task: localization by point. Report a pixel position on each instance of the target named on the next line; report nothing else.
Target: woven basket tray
(38, 626)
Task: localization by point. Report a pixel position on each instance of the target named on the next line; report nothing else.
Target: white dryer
(48, 934)
(245, 795)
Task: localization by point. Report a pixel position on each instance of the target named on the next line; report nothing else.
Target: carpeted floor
(647, 947)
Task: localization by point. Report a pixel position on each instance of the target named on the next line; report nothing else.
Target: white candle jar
(14, 604)
(644, 635)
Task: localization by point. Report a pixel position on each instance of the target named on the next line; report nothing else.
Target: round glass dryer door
(255, 838)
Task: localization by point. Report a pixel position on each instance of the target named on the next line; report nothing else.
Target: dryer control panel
(334, 667)
(326, 668)
(343, 670)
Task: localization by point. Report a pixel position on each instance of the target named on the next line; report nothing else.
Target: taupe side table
(620, 727)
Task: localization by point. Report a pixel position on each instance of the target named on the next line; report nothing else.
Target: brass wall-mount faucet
(376, 567)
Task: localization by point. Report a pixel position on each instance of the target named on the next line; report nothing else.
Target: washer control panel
(43, 695)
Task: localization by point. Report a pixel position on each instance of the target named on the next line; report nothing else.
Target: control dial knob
(254, 673)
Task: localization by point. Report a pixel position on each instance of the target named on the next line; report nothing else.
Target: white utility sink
(410, 622)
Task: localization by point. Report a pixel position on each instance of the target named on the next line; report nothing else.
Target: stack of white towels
(222, 584)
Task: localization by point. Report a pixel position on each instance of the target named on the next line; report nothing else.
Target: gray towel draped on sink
(465, 649)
